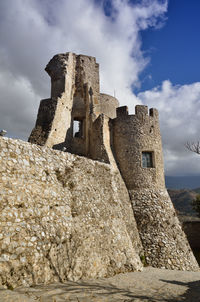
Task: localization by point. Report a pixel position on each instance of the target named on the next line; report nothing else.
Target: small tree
(196, 204)
(193, 146)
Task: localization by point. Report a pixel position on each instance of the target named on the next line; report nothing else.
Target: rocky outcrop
(63, 217)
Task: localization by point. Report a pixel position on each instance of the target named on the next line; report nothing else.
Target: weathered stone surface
(108, 105)
(63, 217)
(165, 244)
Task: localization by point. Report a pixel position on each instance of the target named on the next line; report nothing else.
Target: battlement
(140, 110)
(122, 111)
(85, 57)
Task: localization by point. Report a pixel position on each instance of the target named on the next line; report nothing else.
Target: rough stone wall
(53, 122)
(62, 217)
(46, 112)
(100, 141)
(87, 72)
(165, 244)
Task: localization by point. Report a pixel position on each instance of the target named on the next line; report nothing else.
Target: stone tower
(138, 147)
(138, 152)
(79, 119)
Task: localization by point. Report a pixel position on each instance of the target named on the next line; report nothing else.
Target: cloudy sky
(148, 52)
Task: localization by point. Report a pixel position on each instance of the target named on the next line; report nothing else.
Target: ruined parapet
(138, 151)
(87, 74)
(101, 141)
(108, 105)
(53, 123)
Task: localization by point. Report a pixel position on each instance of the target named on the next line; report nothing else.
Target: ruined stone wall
(74, 96)
(53, 124)
(87, 71)
(86, 76)
(100, 141)
(109, 105)
(62, 217)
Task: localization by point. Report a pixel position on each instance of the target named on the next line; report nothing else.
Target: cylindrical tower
(138, 147)
(138, 152)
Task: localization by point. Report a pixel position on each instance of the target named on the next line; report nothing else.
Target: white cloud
(32, 31)
(179, 108)
(19, 105)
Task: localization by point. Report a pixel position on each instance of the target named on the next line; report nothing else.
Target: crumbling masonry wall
(63, 217)
(54, 115)
(75, 97)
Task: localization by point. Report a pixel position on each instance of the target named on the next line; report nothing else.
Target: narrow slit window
(147, 159)
(77, 128)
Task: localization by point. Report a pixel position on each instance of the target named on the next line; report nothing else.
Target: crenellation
(154, 113)
(141, 110)
(122, 111)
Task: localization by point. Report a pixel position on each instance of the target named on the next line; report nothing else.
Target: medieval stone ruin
(86, 197)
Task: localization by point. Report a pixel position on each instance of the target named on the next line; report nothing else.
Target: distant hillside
(182, 200)
(182, 182)
(197, 190)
